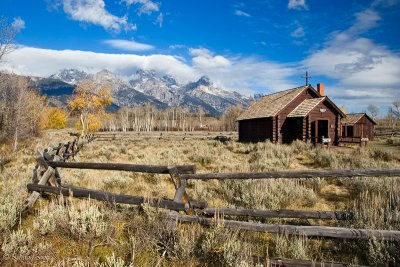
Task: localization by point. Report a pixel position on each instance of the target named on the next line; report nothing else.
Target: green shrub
(220, 247)
(9, 211)
(269, 157)
(267, 194)
(296, 247)
(383, 155)
(21, 245)
(393, 141)
(86, 221)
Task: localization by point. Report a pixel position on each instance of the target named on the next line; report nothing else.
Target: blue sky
(258, 46)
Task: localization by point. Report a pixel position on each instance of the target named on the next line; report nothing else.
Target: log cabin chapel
(302, 113)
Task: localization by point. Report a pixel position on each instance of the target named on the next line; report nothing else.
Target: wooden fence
(156, 135)
(46, 179)
(387, 132)
(44, 174)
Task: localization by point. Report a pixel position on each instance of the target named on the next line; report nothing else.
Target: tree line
(149, 118)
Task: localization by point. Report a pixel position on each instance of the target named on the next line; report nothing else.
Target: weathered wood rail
(298, 214)
(281, 262)
(108, 197)
(121, 167)
(295, 174)
(387, 132)
(161, 135)
(312, 231)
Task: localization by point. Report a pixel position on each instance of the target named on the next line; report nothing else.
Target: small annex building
(301, 113)
(357, 126)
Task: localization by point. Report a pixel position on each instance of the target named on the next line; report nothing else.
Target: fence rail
(120, 167)
(295, 174)
(108, 197)
(313, 231)
(300, 214)
(281, 262)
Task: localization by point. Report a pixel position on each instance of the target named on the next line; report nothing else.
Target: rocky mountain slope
(145, 86)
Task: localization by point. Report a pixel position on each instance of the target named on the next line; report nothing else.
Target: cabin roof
(353, 118)
(270, 105)
(306, 107)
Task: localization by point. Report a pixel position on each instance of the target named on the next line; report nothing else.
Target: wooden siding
(331, 116)
(363, 128)
(286, 133)
(256, 130)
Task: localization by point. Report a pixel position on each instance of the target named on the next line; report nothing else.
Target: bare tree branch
(7, 34)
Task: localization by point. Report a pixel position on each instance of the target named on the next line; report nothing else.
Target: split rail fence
(46, 179)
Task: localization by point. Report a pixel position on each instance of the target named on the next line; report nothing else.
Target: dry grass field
(72, 232)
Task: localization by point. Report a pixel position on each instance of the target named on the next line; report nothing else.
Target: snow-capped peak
(71, 76)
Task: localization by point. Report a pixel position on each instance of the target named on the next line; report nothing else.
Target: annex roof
(354, 118)
(305, 107)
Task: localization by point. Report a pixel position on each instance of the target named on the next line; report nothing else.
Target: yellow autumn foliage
(90, 101)
(53, 118)
(93, 124)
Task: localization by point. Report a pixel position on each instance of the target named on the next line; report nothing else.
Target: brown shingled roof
(305, 107)
(354, 118)
(270, 105)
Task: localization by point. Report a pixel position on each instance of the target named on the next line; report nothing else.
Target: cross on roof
(307, 77)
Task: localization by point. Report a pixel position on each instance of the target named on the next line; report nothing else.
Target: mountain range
(144, 86)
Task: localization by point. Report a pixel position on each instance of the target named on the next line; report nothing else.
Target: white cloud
(214, 62)
(365, 21)
(384, 3)
(147, 6)
(297, 4)
(94, 12)
(44, 62)
(18, 24)
(299, 32)
(356, 62)
(246, 75)
(241, 13)
(160, 20)
(204, 59)
(366, 72)
(128, 45)
(177, 46)
(203, 52)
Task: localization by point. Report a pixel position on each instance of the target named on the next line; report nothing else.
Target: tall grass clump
(382, 155)
(222, 247)
(359, 158)
(297, 247)
(393, 141)
(270, 157)
(82, 221)
(153, 239)
(267, 194)
(376, 202)
(204, 154)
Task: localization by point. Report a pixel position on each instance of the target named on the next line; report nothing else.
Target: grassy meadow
(72, 232)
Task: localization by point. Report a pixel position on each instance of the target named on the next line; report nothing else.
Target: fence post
(42, 179)
(180, 186)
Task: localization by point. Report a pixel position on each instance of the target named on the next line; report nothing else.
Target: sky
(254, 46)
